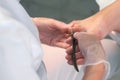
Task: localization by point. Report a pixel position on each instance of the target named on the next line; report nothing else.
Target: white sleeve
(104, 3)
(15, 52)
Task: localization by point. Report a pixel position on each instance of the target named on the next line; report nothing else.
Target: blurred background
(63, 10)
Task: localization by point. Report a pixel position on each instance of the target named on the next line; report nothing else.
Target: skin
(52, 32)
(48, 27)
(94, 72)
(100, 25)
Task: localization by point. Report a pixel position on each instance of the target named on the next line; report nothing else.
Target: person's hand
(89, 53)
(103, 22)
(94, 25)
(80, 60)
(89, 25)
(89, 49)
(79, 56)
(52, 32)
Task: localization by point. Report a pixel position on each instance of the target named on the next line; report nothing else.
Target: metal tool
(74, 43)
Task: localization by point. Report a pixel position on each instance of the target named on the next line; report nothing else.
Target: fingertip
(80, 61)
(68, 40)
(70, 62)
(70, 25)
(69, 50)
(76, 34)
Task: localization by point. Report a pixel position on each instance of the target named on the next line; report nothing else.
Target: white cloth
(20, 48)
(104, 3)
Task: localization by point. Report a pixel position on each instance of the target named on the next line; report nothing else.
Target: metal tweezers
(74, 43)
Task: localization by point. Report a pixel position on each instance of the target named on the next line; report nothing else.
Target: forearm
(105, 21)
(109, 17)
(94, 72)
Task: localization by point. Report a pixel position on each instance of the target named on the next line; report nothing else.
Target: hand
(89, 49)
(52, 32)
(90, 53)
(94, 25)
(79, 56)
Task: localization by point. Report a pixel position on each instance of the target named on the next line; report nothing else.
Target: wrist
(110, 16)
(94, 72)
(97, 25)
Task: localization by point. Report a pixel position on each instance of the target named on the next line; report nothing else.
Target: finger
(68, 57)
(62, 45)
(76, 28)
(79, 61)
(62, 38)
(78, 55)
(77, 48)
(67, 35)
(69, 40)
(76, 35)
(60, 25)
(70, 27)
(69, 50)
(70, 62)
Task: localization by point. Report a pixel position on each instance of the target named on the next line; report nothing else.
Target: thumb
(76, 35)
